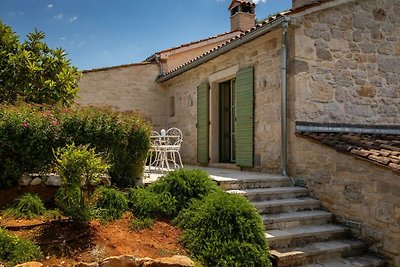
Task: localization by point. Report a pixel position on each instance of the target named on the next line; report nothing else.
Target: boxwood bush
(28, 134)
(224, 230)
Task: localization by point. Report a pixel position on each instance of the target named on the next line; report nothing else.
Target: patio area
(217, 174)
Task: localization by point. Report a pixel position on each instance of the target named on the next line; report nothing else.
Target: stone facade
(127, 88)
(264, 54)
(346, 63)
(353, 189)
(345, 68)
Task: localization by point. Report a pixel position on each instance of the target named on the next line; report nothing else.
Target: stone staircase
(299, 231)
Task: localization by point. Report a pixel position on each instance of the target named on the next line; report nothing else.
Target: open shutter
(244, 117)
(203, 103)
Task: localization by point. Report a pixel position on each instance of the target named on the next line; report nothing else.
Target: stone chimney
(243, 15)
(300, 3)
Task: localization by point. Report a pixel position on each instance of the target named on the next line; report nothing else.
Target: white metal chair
(154, 153)
(174, 140)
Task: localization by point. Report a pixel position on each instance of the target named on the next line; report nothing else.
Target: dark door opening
(227, 122)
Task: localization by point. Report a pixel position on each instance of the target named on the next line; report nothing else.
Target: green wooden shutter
(244, 117)
(203, 103)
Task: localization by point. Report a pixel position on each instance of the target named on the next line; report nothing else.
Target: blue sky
(100, 33)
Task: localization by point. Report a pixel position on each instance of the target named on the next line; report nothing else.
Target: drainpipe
(157, 58)
(285, 26)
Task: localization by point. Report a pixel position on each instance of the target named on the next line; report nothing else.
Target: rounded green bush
(148, 204)
(110, 203)
(28, 206)
(185, 185)
(224, 230)
(14, 250)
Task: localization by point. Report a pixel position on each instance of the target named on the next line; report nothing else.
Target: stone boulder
(84, 264)
(120, 261)
(53, 180)
(36, 181)
(174, 261)
(30, 264)
(25, 180)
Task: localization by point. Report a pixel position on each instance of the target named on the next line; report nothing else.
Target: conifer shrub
(14, 250)
(148, 204)
(171, 193)
(224, 230)
(28, 206)
(110, 203)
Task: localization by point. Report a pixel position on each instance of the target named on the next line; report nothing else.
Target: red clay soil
(65, 243)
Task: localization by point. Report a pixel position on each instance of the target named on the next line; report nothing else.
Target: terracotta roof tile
(189, 44)
(381, 149)
(267, 21)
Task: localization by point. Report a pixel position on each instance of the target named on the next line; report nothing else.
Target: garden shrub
(68, 200)
(26, 140)
(148, 204)
(124, 138)
(110, 203)
(28, 134)
(173, 192)
(224, 230)
(28, 206)
(14, 250)
(79, 168)
(142, 223)
(185, 185)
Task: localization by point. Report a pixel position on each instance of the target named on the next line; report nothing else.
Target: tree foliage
(31, 71)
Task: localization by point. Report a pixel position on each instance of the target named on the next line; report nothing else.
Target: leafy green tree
(33, 72)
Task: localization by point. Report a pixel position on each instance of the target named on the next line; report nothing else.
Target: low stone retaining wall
(129, 261)
(51, 179)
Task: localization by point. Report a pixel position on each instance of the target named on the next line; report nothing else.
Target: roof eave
(242, 40)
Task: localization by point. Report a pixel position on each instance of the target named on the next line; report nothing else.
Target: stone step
(293, 219)
(305, 234)
(360, 261)
(266, 181)
(259, 194)
(317, 252)
(286, 205)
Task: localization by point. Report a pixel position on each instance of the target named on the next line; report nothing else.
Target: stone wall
(262, 53)
(347, 63)
(127, 88)
(354, 190)
(345, 68)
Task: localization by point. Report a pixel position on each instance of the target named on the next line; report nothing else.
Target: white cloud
(50, 6)
(62, 38)
(59, 16)
(259, 1)
(82, 43)
(73, 19)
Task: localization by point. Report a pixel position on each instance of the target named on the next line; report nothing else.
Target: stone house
(312, 92)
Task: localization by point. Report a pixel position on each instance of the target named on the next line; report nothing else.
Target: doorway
(227, 122)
